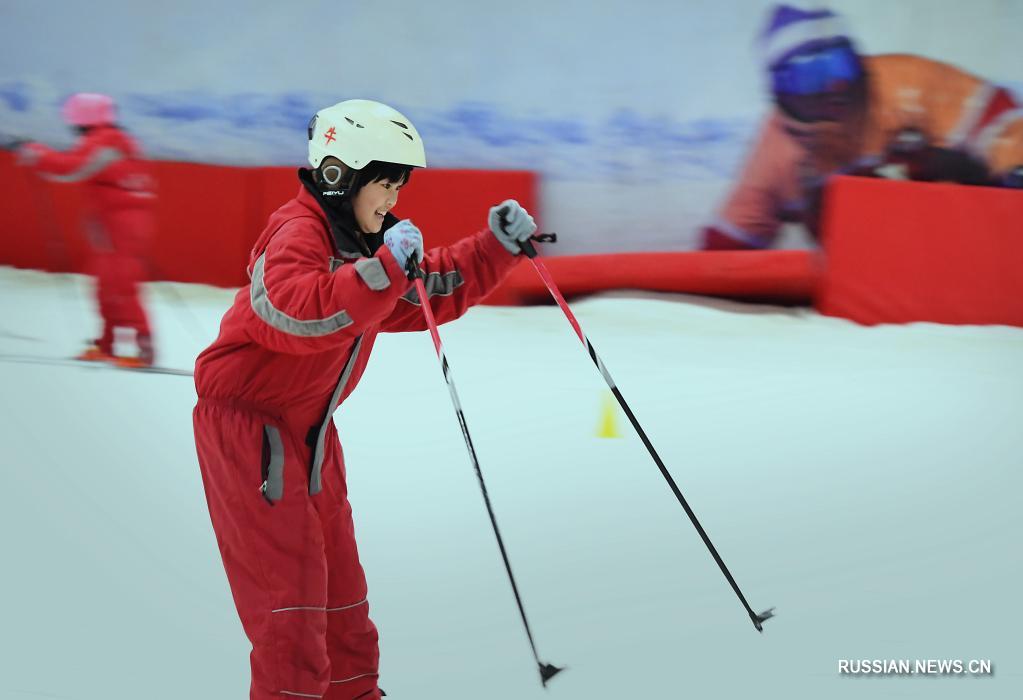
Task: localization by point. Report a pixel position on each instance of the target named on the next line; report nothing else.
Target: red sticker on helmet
(330, 135)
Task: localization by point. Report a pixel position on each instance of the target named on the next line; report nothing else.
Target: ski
(72, 362)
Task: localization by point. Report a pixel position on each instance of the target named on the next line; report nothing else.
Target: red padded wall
(457, 206)
(41, 221)
(907, 251)
(207, 216)
(203, 223)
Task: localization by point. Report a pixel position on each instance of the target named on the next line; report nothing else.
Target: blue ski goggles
(818, 85)
(823, 70)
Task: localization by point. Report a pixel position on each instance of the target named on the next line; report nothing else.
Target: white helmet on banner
(359, 131)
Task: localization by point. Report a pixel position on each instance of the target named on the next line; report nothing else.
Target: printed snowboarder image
(837, 111)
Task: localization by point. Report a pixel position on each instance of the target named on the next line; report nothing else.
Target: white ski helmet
(359, 131)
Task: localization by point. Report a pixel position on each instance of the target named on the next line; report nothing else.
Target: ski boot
(144, 359)
(94, 353)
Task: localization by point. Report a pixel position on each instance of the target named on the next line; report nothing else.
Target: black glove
(911, 156)
(950, 165)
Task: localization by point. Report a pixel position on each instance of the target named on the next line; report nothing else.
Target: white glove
(511, 224)
(404, 240)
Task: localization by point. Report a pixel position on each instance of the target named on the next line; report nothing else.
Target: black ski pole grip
(528, 248)
(527, 245)
(412, 269)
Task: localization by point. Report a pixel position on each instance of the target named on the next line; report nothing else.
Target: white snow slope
(864, 481)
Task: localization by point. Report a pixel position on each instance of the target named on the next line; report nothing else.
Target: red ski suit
(291, 348)
(118, 203)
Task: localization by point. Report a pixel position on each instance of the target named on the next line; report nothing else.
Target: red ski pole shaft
(431, 322)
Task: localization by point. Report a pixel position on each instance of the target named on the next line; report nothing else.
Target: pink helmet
(88, 109)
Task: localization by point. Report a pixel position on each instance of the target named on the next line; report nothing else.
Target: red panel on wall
(899, 252)
(17, 243)
(202, 233)
(454, 205)
(272, 188)
(42, 221)
(207, 216)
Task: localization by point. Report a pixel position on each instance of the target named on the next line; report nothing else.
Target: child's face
(372, 201)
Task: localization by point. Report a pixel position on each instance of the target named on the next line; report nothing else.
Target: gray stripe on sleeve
(99, 159)
(264, 308)
(372, 272)
(437, 285)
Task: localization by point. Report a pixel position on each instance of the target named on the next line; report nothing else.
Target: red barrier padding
(272, 188)
(19, 244)
(450, 208)
(781, 276)
(899, 252)
(203, 231)
(207, 216)
(41, 221)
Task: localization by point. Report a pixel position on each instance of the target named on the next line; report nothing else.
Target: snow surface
(865, 481)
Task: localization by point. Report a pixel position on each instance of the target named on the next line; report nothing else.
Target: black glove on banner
(911, 156)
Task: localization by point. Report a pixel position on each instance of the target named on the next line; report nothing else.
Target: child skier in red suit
(119, 202)
(327, 274)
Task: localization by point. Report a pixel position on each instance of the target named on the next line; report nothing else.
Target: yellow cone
(608, 426)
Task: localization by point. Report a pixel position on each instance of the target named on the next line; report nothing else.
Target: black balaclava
(337, 205)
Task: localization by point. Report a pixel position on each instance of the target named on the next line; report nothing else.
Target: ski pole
(530, 251)
(547, 671)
